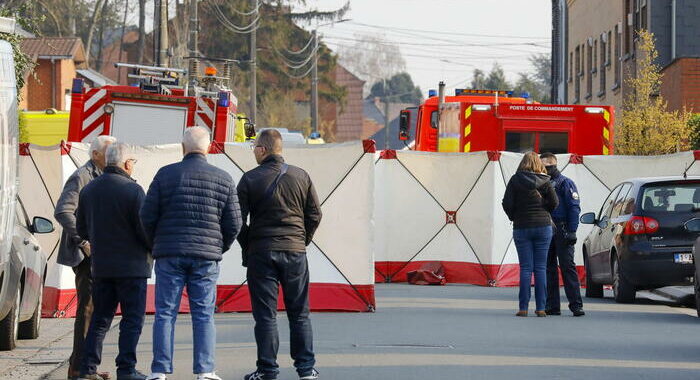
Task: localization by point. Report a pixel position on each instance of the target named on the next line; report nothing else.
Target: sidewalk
(34, 358)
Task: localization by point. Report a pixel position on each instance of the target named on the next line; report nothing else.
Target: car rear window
(671, 198)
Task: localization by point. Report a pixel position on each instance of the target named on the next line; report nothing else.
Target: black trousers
(562, 253)
(130, 294)
(83, 314)
(267, 271)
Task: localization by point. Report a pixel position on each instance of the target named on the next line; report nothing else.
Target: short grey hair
(196, 139)
(271, 140)
(100, 143)
(117, 154)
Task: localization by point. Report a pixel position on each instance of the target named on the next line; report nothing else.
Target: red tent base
(458, 272)
(62, 303)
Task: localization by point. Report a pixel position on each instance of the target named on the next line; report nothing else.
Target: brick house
(57, 60)
(595, 45)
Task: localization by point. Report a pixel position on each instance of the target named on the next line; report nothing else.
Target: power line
(250, 13)
(384, 27)
(295, 64)
(228, 24)
(534, 44)
(433, 56)
(298, 52)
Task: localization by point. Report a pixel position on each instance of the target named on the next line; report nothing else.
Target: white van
(22, 261)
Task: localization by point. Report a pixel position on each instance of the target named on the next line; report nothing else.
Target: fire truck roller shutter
(146, 124)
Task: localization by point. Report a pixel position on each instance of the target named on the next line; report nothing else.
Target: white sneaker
(208, 376)
(157, 376)
(313, 375)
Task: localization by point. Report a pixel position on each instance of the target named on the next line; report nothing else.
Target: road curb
(679, 294)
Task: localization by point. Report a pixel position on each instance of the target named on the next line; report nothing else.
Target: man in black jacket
(108, 217)
(284, 214)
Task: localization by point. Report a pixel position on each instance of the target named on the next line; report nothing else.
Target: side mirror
(248, 127)
(588, 218)
(693, 225)
(249, 130)
(42, 225)
(405, 125)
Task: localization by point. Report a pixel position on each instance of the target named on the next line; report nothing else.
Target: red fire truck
(156, 108)
(478, 120)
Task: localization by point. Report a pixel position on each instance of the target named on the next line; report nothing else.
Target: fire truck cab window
(434, 119)
(556, 143)
(520, 142)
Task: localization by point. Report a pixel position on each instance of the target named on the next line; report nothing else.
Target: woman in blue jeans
(528, 201)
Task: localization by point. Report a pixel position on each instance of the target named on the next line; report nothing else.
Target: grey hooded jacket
(68, 252)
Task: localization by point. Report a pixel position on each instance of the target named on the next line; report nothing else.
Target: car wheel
(9, 326)
(30, 329)
(624, 291)
(593, 290)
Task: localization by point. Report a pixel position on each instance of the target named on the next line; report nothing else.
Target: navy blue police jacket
(191, 210)
(569, 203)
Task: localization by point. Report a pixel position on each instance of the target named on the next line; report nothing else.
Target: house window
(608, 57)
(618, 55)
(628, 27)
(589, 70)
(643, 15)
(595, 55)
(603, 62)
(571, 66)
(577, 77)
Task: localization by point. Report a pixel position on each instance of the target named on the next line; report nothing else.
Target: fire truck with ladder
(484, 120)
(158, 106)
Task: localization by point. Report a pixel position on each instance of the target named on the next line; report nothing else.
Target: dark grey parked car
(694, 226)
(640, 239)
(22, 275)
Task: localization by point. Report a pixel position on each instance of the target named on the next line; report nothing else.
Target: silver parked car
(22, 275)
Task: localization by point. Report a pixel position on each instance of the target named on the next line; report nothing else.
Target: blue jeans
(533, 246)
(172, 275)
(267, 271)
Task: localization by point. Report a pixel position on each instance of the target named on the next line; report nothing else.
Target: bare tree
(372, 58)
(91, 28)
(142, 31)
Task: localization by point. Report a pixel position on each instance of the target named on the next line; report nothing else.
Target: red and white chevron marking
(94, 116)
(204, 117)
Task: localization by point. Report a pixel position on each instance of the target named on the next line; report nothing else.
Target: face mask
(551, 169)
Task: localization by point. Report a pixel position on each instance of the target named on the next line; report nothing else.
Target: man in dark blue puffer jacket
(192, 216)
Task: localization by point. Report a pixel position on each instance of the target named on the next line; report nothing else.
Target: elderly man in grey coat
(74, 251)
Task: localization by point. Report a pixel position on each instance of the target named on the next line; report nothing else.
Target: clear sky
(507, 31)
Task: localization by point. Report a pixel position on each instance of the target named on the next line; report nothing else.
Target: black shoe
(578, 313)
(553, 312)
(257, 375)
(135, 375)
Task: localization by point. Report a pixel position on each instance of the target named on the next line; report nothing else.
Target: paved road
(460, 332)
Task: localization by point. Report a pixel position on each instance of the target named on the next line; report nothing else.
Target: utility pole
(253, 68)
(194, 38)
(162, 33)
(314, 84)
(386, 121)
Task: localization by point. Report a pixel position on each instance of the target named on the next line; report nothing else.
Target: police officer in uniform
(561, 250)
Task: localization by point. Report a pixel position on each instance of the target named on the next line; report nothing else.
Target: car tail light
(641, 225)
